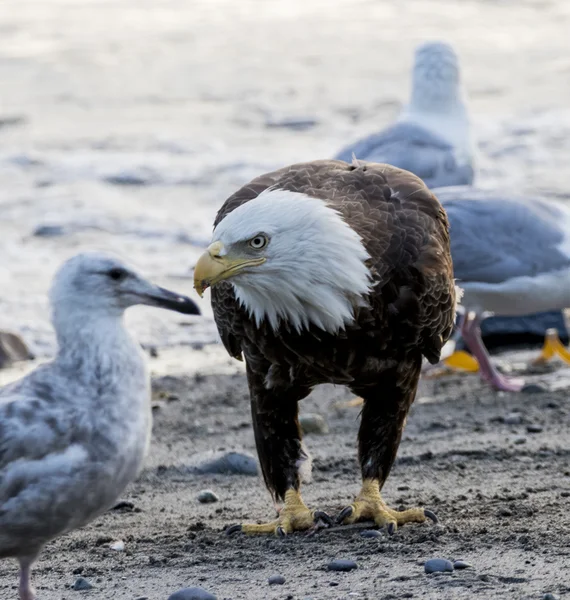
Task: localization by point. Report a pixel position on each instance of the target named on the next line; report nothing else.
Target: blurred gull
(74, 432)
(511, 256)
(431, 137)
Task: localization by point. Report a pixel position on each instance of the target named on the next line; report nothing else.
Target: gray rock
(520, 440)
(438, 565)
(313, 423)
(371, 533)
(550, 596)
(462, 564)
(228, 463)
(534, 428)
(192, 593)
(513, 418)
(82, 584)
(276, 580)
(12, 349)
(342, 564)
(142, 598)
(49, 231)
(207, 497)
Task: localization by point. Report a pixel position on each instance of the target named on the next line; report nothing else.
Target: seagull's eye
(258, 242)
(117, 274)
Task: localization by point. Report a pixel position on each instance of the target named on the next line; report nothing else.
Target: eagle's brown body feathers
(408, 315)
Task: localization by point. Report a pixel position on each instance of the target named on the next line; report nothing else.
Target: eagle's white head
(291, 259)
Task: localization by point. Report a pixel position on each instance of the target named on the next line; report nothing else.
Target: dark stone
(81, 584)
(342, 564)
(438, 565)
(192, 593)
(225, 463)
(276, 580)
(534, 428)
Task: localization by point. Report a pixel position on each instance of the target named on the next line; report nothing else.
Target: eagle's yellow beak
(212, 267)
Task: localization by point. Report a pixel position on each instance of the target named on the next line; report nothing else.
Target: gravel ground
(494, 467)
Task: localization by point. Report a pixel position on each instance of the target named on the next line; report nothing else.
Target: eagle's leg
(281, 455)
(386, 406)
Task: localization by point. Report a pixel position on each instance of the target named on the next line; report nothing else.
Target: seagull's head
(291, 259)
(436, 79)
(97, 284)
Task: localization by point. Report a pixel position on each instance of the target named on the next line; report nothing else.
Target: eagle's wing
(404, 229)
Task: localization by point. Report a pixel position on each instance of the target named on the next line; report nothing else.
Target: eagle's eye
(258, 242)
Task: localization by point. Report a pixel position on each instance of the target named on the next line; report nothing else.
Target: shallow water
(139, 118)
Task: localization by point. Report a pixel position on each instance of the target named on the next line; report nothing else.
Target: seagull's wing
(413, 148)
(494, 238)
(33, 424)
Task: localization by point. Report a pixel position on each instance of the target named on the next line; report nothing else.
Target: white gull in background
(431, 137)
(511, 256)
(74, 432)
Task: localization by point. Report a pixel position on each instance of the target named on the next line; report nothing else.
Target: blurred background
(125, 124)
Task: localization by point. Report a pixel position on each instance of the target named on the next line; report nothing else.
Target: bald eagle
(329, 272)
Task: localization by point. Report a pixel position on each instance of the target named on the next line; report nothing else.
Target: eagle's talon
(344, 513)
(431, 515)
(233, 529)
(321, 515)
(391, 527)
(280, 532)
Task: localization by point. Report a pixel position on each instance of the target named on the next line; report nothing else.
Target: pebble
(118, 546)
(461, 564)
(550, 596)
(192, 593)
(82, 584)
(438, 565)
(371, 533)
(342, 564)
(513, 419)
(207, 497)
(276, 580)
(142, 598)
(520, 440)
(12, 349)
(534, 428)
(226, 463)
(313, 423)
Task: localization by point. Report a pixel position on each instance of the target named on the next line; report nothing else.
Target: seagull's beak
(214, 266)
(153, 295)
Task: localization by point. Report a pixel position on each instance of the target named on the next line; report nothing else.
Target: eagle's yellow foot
(369, 505)
(462, 361)
(552, 347)
(294, 516)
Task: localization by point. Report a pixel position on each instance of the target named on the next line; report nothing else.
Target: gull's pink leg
(471, 333)
(27, 592)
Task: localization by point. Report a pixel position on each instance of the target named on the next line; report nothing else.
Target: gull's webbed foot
(462, 361)
(369, 505)
(552, 347)
(294, 516)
